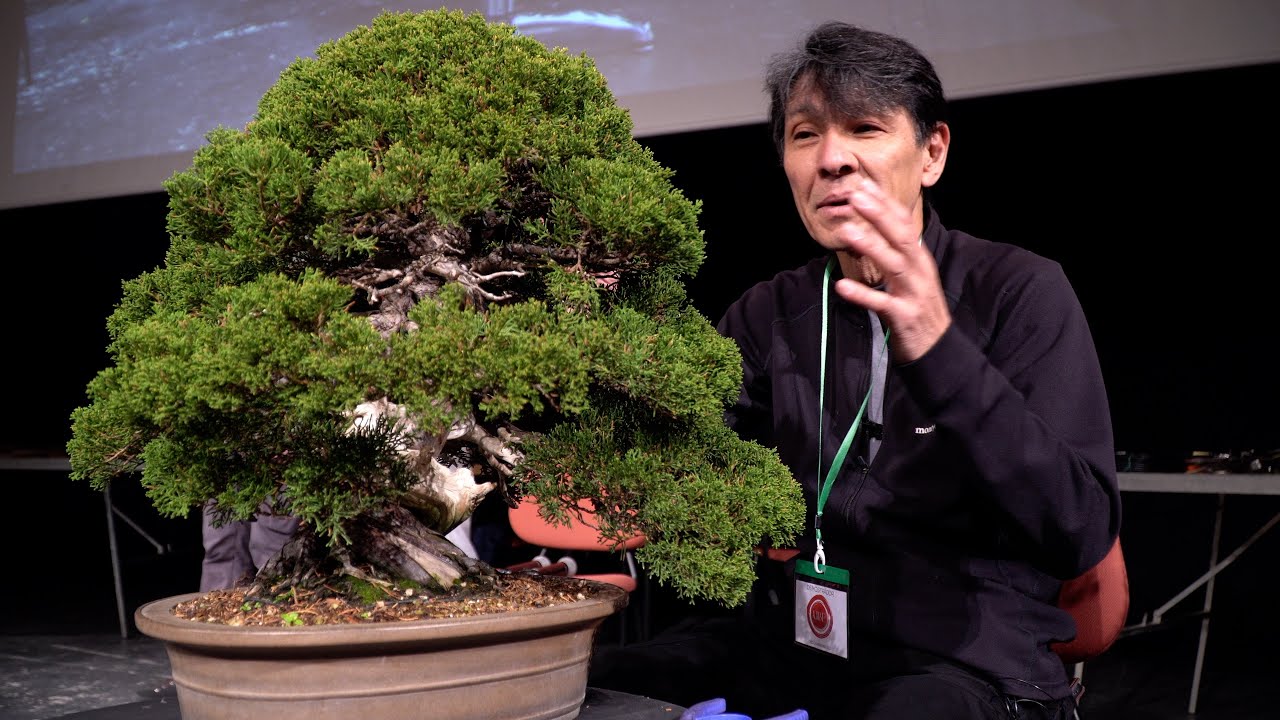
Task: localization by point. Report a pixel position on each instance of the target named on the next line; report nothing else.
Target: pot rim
(156, 619)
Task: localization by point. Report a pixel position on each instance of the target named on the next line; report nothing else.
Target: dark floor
(1145, 676)
(49, 676)
(62, 651)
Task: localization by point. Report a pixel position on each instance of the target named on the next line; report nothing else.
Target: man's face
(825, 156)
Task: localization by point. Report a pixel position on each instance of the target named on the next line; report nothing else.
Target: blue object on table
(714, 709)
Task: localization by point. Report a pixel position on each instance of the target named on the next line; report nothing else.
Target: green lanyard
(820, 556)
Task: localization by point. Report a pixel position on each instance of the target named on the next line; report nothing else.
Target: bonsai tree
(435, 264)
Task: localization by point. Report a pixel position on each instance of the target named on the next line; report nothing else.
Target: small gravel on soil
(511, 592)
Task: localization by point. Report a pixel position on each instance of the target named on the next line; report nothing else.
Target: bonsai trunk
(388, 545)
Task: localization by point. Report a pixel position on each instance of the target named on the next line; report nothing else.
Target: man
(939, 398)
(236, 550)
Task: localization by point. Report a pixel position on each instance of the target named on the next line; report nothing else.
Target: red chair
(1099, 603)
(580, 535)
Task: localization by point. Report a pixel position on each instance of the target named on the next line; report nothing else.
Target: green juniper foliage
(441, 214)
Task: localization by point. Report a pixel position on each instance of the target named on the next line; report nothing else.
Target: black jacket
(995, 479)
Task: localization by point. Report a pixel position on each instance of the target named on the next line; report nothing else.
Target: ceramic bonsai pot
(528, 664)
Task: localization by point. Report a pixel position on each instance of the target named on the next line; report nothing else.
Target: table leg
(1214, 548)
(112, 512)
(115, 561)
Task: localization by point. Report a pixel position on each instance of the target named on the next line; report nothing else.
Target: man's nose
(835, 158)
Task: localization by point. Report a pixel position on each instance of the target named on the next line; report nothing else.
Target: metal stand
(112, 513)
(1156, 617)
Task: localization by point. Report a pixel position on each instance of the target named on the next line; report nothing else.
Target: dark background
(1154, 194)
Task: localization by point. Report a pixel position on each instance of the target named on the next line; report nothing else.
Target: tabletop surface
(1201, 483)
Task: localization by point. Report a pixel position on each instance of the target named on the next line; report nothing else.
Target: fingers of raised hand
(892, 220)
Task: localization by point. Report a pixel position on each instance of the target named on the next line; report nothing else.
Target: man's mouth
(835, 206)
(833, 201)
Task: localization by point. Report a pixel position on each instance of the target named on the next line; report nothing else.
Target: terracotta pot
(527, 664)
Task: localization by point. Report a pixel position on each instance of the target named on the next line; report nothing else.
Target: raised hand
(905, 289)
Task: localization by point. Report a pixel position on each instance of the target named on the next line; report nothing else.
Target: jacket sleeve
(1024, 397)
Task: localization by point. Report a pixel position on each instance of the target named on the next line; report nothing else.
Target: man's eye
(801, 134)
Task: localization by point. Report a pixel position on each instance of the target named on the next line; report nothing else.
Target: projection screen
(109, 97)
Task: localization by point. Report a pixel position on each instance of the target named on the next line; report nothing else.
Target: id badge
(822, 608)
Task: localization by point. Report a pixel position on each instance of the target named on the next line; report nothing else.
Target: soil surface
(512, 591)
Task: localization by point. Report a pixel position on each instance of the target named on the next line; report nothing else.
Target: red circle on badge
(818, 613)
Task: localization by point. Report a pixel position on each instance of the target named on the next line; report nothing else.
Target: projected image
(104, 80)
(558, 24)
(103, 97)
(114, 79)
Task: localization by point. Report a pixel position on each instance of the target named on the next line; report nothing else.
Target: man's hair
(857, 72)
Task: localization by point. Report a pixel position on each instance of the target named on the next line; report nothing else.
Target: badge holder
(822, 606)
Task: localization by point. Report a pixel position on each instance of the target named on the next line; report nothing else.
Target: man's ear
(935, 154)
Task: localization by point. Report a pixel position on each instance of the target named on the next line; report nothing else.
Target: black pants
(933, 692)
(761, 674)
